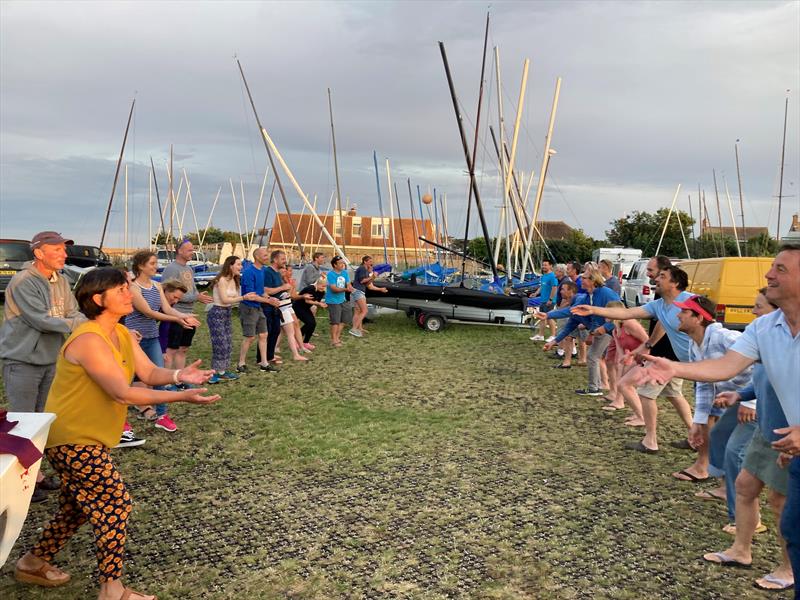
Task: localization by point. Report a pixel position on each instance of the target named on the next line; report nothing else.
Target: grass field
(409, 465)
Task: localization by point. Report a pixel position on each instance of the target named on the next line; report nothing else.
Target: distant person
(312, 271)
(548, 286)
(251, 313)
(93, 379)
(338, 285)
(274, 286)
(226, 292)
(607, 270)
(39, 310)
(180, 338)
(150, 307)
(364, 279)
(311, 296)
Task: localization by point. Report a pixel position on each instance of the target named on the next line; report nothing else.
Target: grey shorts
(27, 385)
(253, 320)
(357, 295)
(760, 462)
(672, 389)
(335, 313)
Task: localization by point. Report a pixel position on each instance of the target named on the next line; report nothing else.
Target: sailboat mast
(400, 219)
(470, 162)
(719, 214)
(296, 233)
(336, 172)
(783, 155)
(380, 206)
(474, 144)
(116, 175)
(391, 211)
(741, 196)
(730, 208)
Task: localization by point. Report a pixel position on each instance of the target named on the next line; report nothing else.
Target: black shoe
(561, 366)
(268, 368)
(241, 368)
(49, 484)
(39, 495)
(588, 392)
(129, 440)
(640, 447)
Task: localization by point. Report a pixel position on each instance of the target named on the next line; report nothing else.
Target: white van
(637, 288)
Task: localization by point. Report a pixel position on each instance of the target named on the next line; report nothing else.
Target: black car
(13, 254)
(87, 256)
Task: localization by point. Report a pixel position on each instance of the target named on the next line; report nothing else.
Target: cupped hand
(582, 310)
(195, 396)
(194, 375)
(726, 399)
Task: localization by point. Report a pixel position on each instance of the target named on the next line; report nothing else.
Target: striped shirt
(136, 321)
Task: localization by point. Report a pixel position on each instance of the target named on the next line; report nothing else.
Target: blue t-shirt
(340, 280)
(667, 315)
(272, 279)
(546, 285)
(361, 273)
(252, 281)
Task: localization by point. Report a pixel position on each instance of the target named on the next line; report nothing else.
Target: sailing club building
(355, 234)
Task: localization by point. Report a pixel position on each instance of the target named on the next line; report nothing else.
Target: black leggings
(309, 322)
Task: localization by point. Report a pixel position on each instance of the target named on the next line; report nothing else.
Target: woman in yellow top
(90, 395)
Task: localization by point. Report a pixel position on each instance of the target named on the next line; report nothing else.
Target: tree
(577, 246)
(642, 230)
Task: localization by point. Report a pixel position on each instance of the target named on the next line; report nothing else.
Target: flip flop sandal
(39, 576)
(708, 495)
(640, 447)
(784, 584)
(724, 560)
(688, 477)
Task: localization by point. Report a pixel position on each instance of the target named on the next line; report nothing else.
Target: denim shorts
(357, 295)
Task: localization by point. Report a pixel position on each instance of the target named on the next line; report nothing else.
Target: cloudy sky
(654, 94)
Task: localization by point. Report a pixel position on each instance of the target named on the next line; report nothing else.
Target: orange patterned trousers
(91, 490)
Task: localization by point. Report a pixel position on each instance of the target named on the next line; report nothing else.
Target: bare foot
(300, 358)
(634, 422)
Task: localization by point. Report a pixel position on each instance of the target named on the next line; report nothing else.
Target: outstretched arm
(732, 363)
(621, 314)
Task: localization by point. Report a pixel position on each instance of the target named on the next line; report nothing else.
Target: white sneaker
(355, 333)
(552, 338)
(560, 352)
(574, 352)
(537, 338)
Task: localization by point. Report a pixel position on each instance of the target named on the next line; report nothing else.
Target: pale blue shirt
(667, 315)
(769, 340)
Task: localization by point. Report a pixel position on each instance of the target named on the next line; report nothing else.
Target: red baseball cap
(695, 303)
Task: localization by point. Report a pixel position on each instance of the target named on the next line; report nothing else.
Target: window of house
(356, 229)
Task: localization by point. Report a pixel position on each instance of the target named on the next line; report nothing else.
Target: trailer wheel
(434, 323)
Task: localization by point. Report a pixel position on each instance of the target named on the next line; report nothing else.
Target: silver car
(637, 288)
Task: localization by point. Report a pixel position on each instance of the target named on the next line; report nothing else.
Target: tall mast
(380, 206)
(158, 197)
(391, 212)
(171, 200)
(149, 209)
(783, 154)
(336, 171)
(296, 233)
(400, 219)
(741, 196)
(730, 208)
(116, 175)
(719, 215)
(470, 162)
(474, 145)
(413, 220)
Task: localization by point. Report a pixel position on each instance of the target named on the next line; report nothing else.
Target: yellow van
(731, 282)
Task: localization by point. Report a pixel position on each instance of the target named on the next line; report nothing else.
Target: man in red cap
(39, 311)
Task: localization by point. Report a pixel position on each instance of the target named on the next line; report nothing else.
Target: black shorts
(179, 336)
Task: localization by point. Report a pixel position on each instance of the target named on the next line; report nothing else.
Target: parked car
(731, 282)
(637, 288)
(198, 261)
(13, 255)
(87, 256)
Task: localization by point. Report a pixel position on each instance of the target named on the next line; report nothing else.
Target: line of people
(745, 426)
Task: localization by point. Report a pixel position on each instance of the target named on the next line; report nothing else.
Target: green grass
(409, 465)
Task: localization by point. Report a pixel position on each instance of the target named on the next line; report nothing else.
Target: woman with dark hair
(226, 292)
(93, 377)
(309, 297)
(149, 307)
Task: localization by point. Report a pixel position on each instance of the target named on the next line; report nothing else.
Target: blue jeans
(790, 521)
(727, 446)
(152, 348)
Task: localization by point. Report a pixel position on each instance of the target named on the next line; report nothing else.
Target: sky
(653, 95)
